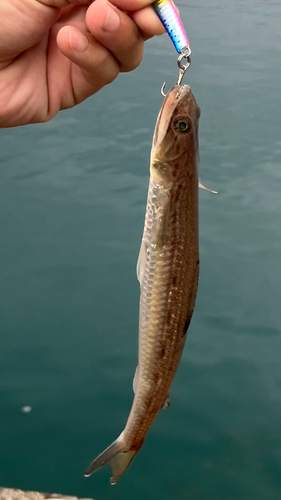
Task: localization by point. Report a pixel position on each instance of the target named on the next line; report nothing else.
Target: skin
(56, 53)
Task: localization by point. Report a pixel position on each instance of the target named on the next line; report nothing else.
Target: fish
(167, 269)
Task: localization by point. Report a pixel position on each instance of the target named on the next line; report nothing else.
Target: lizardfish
(167, 270)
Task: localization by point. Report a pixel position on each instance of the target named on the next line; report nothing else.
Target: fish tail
(114, 456)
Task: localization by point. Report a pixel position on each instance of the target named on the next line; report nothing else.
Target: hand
(56, 53)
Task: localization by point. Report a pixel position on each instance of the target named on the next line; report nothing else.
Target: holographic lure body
(170, 18)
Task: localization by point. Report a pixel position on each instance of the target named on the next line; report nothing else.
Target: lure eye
(182, 125)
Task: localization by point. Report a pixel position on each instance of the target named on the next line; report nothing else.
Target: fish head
(175, 143)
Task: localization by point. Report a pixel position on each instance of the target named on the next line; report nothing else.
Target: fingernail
(77, 40)
(112, 21)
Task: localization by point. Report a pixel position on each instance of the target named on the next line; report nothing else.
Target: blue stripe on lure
(170, 18)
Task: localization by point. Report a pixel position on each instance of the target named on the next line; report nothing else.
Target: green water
(72, 202)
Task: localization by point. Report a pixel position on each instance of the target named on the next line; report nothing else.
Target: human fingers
(94, 65)
(143, 14)
(148, 22)
(25, 22)
(62, 3)
(130, 5)
(117, 32)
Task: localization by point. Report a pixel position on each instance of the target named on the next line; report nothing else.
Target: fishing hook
(184, 54)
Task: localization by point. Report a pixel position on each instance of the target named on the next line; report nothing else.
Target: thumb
(25, 22)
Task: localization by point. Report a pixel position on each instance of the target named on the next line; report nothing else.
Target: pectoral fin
(206, 189)
(135, 380)
(141, 262)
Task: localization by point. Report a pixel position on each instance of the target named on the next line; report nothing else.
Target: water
(72, 200)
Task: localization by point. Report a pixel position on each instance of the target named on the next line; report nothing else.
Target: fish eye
(182, 125)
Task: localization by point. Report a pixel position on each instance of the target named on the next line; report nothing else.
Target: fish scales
(168, 270)
(167, 301)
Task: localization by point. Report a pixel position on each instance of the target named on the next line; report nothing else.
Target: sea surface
(72, 204)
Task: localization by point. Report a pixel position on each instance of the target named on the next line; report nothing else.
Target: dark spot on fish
(174, 281)
(168, 320)
(141, 422)
(150, 404)
(136, 444)
(162, 348)
(186, 325)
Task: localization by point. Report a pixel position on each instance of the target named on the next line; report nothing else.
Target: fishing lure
(170, 19)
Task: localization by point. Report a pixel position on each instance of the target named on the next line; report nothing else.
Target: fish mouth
(172, 99)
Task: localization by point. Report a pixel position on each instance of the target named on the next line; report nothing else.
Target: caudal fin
(114, 456)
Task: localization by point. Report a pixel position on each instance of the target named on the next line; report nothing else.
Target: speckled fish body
(168, 269)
